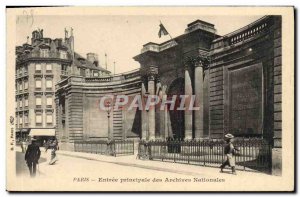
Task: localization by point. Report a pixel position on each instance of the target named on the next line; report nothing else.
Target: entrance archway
(176, 116)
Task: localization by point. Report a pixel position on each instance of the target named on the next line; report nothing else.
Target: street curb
(152, 167)
(135, 165)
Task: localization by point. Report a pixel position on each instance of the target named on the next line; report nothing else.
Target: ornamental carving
(196, 61)
(150, 72)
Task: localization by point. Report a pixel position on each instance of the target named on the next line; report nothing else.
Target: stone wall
(84, 120)
(251, 46)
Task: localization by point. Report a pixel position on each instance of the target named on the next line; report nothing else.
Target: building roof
(54, 45)
(80, 61)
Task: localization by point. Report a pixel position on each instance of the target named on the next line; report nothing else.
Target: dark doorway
(176, 116)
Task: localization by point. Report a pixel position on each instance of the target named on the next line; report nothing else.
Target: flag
(162, 30)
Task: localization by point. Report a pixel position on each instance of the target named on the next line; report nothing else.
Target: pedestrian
(24, 146)
(53, 145)
(229, 151)
(32, 157)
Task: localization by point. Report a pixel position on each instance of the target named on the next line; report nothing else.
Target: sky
(120, 37)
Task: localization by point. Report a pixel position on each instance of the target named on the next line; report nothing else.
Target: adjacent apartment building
(39, 66)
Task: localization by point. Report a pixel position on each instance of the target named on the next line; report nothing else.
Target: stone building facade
(39, 66)
(236, 79)
(79, 116)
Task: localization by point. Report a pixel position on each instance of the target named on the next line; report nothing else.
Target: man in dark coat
(32, 157)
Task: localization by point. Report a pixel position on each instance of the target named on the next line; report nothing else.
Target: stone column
(161, 116)
(188, 115)
(151, 113)
(144, 114)
(198, 85)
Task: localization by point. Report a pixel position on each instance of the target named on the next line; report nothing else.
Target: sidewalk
(161, 176)
(177, 168)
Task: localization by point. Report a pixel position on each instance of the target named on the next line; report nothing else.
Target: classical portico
(177, 68)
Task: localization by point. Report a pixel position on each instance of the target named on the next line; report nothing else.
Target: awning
(42, 132)
(23, 130)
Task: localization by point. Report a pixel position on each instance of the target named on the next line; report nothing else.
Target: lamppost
(108, 109)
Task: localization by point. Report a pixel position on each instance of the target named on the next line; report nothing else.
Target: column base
(199, 134)
(188, 138)
(277, 161)
(202, 138)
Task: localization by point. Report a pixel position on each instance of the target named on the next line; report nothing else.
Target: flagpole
(168, 31)
(114, 68)
(105, 61)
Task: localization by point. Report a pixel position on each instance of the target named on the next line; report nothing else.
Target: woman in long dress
(53, 146)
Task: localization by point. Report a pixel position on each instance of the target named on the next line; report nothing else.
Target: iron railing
(104, 147)
(253, 155)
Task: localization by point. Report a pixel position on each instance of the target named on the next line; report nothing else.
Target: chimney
(93, 58)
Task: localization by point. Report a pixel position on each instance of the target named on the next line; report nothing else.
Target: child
(229, 151)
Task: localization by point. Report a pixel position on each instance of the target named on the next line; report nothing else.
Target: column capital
(198, 61)
(187, 62)
(201, 61)
(150, 72)
(151, 77)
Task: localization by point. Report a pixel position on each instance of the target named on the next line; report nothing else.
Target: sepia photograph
(150, 99)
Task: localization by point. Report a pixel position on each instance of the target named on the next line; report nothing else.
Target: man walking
(229, 151)
(32, 157)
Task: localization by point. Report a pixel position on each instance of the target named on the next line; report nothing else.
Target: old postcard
(150, 99)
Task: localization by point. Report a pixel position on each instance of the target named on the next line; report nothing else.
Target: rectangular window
(38, 119)
(44, 53)
(21, 120)
(25, 85)
(48, 68)
(26, 102)
(21, 103)
(64, 70)
(26, 119)
(20, 86)
(38, 102)
(38, 84)
(25, 70)
(49, 101)
(38, 68)
(49, 118)
(49, 83)
(82, 72)
(20, 71)
(96, 74)
(63, 54)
